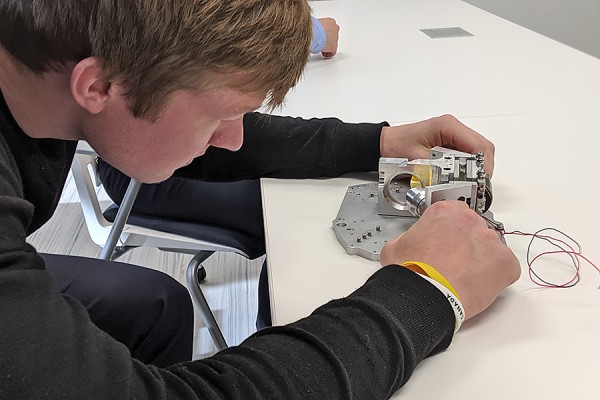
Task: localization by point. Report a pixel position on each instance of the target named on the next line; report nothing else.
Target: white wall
(572, 22)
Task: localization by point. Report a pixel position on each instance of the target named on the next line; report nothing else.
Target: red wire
(577, 254)
(577, 270)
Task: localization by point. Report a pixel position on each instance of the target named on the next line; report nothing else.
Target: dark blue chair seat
(194, 230)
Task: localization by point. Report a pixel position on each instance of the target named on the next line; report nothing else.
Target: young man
(189, 199)
(205, 202)
(158, 86)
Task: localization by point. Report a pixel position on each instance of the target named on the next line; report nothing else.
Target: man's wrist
(382, 141)
(319, 36)
(457, 307)
(431, 275)
(428, 270)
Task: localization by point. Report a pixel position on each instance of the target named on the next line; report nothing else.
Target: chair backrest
(84, 168)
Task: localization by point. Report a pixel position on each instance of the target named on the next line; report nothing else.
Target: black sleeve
(286, 147)
(365, 346)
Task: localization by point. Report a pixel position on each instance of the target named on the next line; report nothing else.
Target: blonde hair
(155, 47)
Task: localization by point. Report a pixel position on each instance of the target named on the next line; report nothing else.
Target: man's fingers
(456, 135)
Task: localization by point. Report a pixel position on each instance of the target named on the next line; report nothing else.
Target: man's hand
(332, 31)
(456, 241)
(415, 140)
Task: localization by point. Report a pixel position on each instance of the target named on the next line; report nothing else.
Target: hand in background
(415, 140)
(456, 241)
(332, 31)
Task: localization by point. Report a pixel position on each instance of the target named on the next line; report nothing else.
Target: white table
(542, 115)
(387, 69)
(542, 343)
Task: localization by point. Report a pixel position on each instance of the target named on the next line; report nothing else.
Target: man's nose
(229, 135)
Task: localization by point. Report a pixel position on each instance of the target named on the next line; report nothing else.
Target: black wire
(536, 235)
(500, 228)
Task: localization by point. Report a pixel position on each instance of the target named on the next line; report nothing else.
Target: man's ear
(88, 88)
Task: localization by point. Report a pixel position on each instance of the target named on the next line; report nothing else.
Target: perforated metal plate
(360, 229)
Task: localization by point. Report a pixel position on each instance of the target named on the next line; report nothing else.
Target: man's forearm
(364, 346)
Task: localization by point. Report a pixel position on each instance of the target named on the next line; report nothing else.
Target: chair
(117, 231)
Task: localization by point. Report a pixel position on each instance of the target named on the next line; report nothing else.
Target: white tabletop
(387, 69)
(542, 341)
(539, 102)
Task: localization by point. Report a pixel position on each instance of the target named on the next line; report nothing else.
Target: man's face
(151, 151)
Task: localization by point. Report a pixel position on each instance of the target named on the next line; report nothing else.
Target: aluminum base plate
(360, 229)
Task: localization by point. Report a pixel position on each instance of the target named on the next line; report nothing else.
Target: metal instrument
(373, 213)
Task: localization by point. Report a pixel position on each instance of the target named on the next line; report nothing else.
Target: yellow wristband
(457, 307)
(433, 274)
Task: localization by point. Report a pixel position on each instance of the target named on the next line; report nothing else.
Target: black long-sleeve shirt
(364, 346)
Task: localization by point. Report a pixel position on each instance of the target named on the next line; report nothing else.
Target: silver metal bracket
(447, 174)
(371, 214)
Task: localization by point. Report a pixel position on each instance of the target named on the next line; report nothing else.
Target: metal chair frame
(118, 237)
